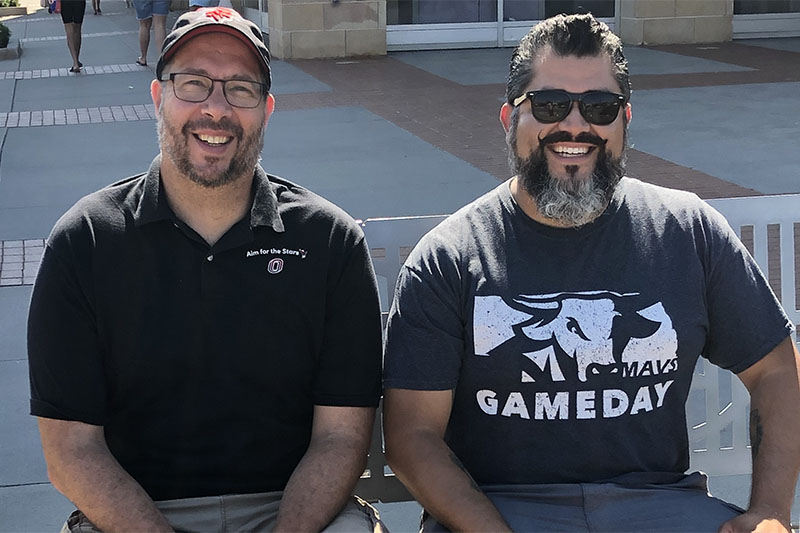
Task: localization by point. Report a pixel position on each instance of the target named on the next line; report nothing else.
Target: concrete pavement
(409, 134)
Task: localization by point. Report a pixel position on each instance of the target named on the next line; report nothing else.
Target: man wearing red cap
(204, 338)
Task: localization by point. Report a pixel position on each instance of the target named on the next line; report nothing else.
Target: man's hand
(324, 480)
(774, 386)
(755, 522)
(415, 423)
(82, 468)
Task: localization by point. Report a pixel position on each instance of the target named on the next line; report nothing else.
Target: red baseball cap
(210, 20)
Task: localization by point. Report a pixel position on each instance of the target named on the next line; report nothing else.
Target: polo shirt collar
(264, 211)
(153, 205)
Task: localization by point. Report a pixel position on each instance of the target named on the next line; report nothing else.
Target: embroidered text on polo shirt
(277, 251)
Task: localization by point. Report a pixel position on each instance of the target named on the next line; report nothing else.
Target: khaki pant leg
(193, 514)
(241, 512)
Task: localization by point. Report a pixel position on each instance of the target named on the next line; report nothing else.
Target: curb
(9, 11)
(13, 51)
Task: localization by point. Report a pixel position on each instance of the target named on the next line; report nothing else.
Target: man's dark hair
(566, 35)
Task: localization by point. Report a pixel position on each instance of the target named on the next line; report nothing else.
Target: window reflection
(461, 11)
(523, 10)
(599, 8)
(439, 11)
(752, 7)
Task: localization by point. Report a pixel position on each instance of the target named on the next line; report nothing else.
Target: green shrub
(9, 3)
(5, 35)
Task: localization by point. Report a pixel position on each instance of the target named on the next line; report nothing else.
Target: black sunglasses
(553, 105)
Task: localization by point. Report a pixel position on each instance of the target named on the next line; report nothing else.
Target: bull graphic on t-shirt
(597, 332)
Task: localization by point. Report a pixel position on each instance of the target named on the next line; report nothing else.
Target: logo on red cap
(219, 13)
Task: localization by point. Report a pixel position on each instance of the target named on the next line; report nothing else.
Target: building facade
(300, 29)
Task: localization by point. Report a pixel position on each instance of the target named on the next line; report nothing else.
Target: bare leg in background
(160, 30)
(73, 32)
(144, 39)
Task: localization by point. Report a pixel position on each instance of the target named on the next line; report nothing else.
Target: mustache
(224, 124)
(565, 136)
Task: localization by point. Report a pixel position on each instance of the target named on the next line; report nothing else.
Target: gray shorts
(681, 506)
(241, 512)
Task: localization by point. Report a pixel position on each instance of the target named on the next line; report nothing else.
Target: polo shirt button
(210, 257)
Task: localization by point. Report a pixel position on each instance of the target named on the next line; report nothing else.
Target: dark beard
(571, 202)
(176, 146)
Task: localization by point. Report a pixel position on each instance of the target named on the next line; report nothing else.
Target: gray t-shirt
(572, 350)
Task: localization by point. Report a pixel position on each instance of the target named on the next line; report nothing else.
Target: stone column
(306, 29)
(675, 21)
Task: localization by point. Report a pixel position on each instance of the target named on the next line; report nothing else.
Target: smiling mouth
(571, 151)
(213, 140)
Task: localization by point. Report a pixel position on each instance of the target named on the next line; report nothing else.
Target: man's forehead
(213, 50)
(210, 40)
(551, 70)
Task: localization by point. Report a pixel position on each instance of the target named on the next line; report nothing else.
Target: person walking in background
(148, 11)
(72, 16)
(197, 4)
(96, 7)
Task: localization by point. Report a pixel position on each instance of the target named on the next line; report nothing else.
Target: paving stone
(84, 36)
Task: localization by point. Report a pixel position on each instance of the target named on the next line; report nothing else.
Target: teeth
(214, 140)
(571, 151)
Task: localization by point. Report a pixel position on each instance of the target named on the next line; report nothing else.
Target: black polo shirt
(203, 363)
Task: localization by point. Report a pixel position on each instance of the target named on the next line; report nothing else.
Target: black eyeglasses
(197, 88)
(553, 105)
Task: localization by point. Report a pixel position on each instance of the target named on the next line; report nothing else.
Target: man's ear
(270, 108)
(628, 113)
(505, 116)
(156, 92)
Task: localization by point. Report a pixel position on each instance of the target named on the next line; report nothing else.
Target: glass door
(256, 11)
(520, 15)
(421, 24)
(430, 24)
(766, 18)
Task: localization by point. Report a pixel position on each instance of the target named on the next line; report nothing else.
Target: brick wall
(302, 29)
(676, 21)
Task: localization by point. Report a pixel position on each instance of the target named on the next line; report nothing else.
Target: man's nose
(574, 121)
(217, 104)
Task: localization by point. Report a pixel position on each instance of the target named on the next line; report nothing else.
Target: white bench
(718, 406)
(770, 228)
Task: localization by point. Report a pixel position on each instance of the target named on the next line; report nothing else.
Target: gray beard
(175, 145)
(571, 202)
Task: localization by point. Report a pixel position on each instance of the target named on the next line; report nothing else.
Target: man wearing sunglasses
(204, 338)
(542, 340)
